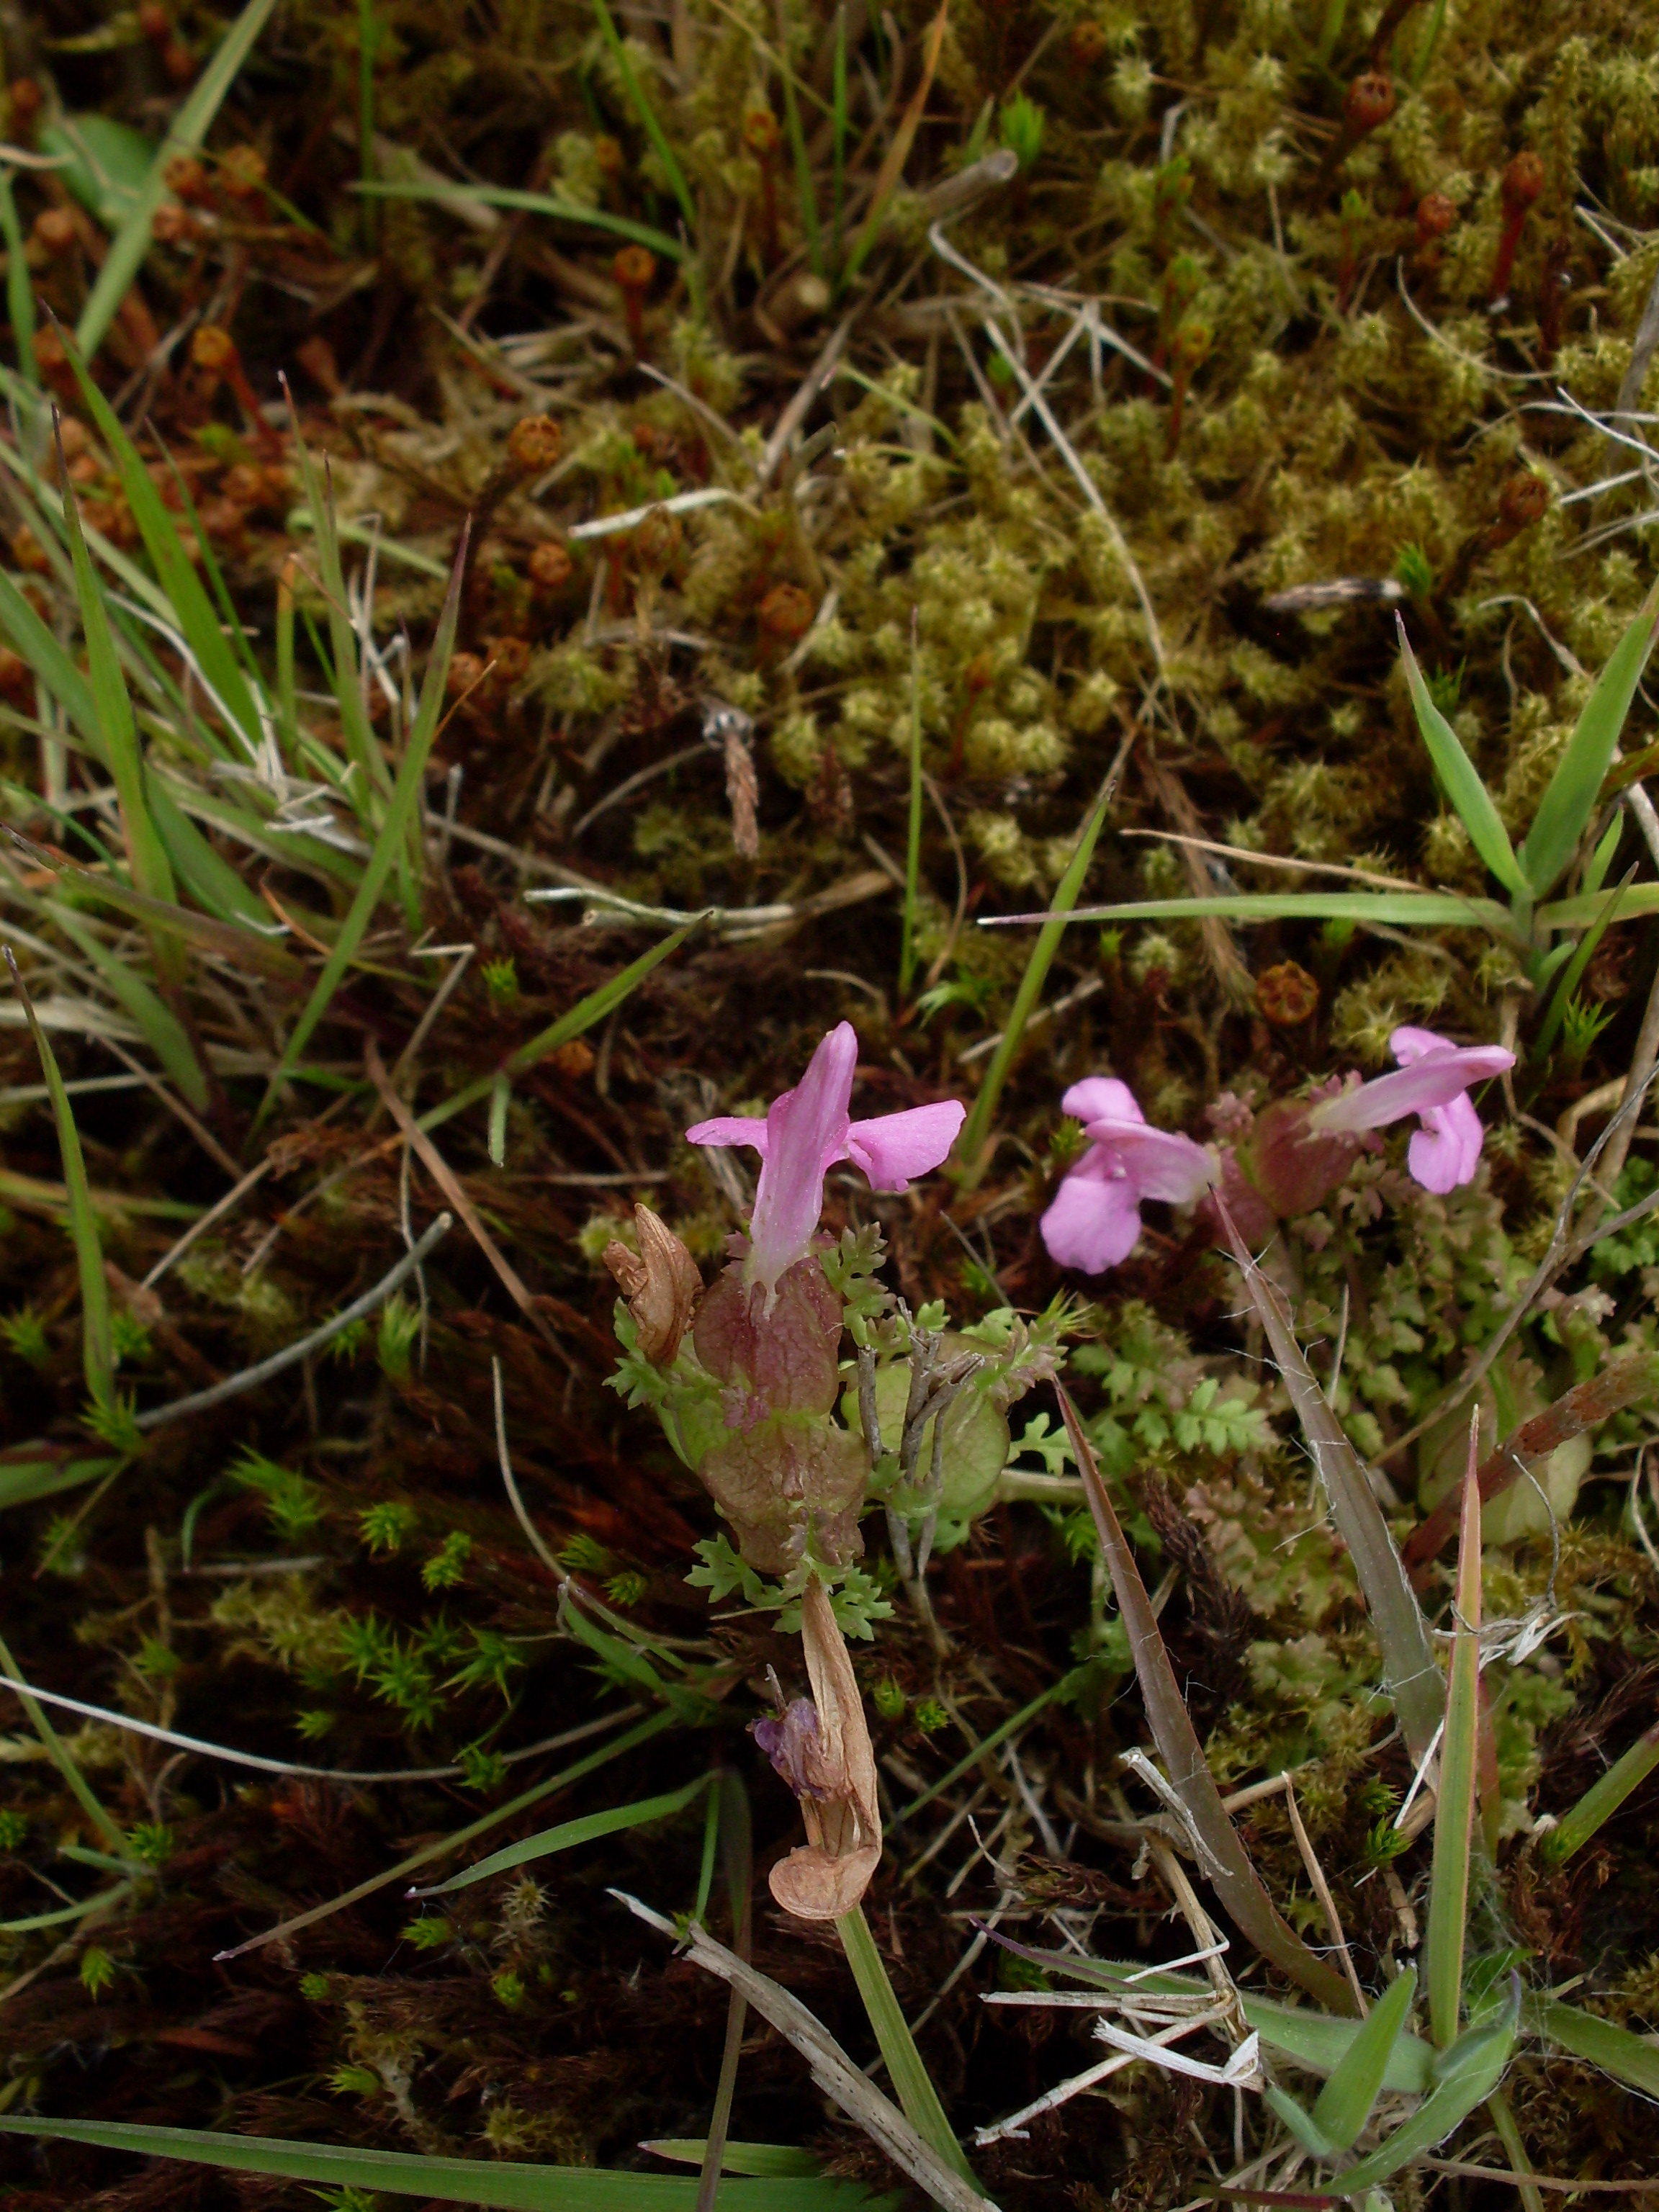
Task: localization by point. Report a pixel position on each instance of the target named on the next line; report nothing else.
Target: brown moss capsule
(155, 21)
(1367, 105)
(27, 99)
(16, 678)
(786, 613)
(242, 173)
(534, 443)
(178, 62)
(1287, 994)
(1523, 500)
(1188, 350)
(213, 350)
(28, 554)
(608, 157)
(1435, 217)
(53, 362)
(655, 544)
(509, 659)
(465, 672)
(551, 569)
(761, 134)
(635, 269)
(225, 523)
(55, 232)
(174, 224)
(186, 178)
(1086, 43)
(1522, 182)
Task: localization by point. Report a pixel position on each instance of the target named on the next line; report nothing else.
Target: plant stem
(911, 2078)
(913, 848)
(971, 1144)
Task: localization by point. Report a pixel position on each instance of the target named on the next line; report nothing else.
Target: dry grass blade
(1410, 1675)
(832, 2069)
(1236, 1881)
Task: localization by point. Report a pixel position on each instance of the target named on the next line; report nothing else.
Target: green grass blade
(1234, 1878)
(1312, 2137)
(102, 1901)
(839, 95)
(648, 115)
(913, 836)
(360, 748)
(1407, 909)
(1409, 1672)
(1603, 1799)
(1347, 2100)
(190, 607)
(570, 1025)
(161, 1028)
(51, 665)
(912, 2083)
(542, 203)
(776, 2160)
(400, 812)
(1581, 959)
(146, 855)
(1454, 1820)
(190, 127)
(210, 879)
(1460, 780)
(19, 289)
(1571, 797)
(970, 1145)
(499, 2183)
(570, 1833)
(1471, 2070)
(1595, 874)
(241, 946)
(61, 1757)
(809, 198)
(22, 1480)
(1584, 912)
(97, 1343)
(1630, 2058)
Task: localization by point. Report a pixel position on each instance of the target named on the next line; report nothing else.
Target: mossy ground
(329, 1571)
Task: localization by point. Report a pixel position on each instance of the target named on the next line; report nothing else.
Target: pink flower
(805, 1134)
(1432, 1082)
(1095, 1218)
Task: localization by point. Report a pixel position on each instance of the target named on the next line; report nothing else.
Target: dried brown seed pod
(660, 1283)
(55, 232)
(1086, 43)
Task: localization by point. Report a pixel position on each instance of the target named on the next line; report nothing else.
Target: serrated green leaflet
(1459, 778)
(497, 2184)
(1565, 811)
(570, 1833)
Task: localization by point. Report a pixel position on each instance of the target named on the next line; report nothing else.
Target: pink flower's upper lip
(805, 1132)
(1433, 1079)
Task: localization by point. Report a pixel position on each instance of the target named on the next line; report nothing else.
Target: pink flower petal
(1094, 1220)
(1158, 1162)
(730, 1129)
(1102, 1097)
(805, 1130)
(1432, 1079)
(893, 1147)
(1445, 1151)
